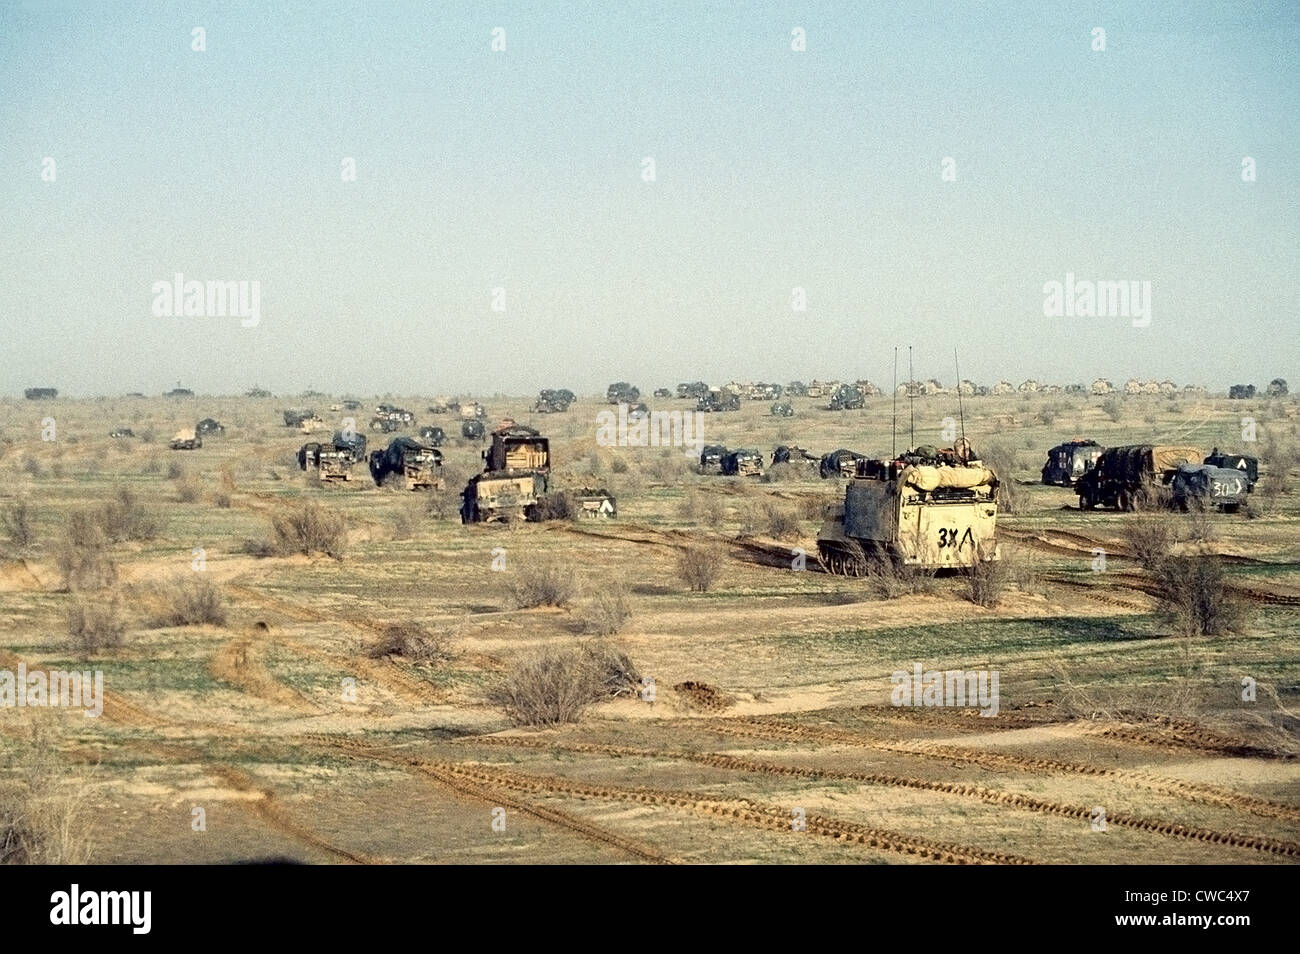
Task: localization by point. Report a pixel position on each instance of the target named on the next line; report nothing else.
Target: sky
(523, 169)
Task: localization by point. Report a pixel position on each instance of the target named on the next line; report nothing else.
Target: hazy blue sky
(522, 169)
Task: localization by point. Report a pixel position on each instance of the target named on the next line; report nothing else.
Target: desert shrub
(189, 489)
(701, 508)
(700, 566)
(558, 505)
(122, 517)
(779, 473)
(1001, 459)
(403, 525)
(18, 521)
(1193, 594)
(411, 641)
(668, 468)
(309, 528)
(33, 467)
(618, 466)
(1150, 536)
(887, 579)
(152, 466)
(175, 470)
(541, 583)
(442, 503)
(57, 470)
(222, 499)
(1153, 500)
(783, 522)
(555, 686)
(1112, 408)
(85, 567)
(95, 625)
(984, 582)
(1197, 525)
(607, 612)
(44, 815)
(192, 600)
(259, 548)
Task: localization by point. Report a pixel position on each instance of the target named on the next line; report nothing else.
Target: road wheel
(1085, 502)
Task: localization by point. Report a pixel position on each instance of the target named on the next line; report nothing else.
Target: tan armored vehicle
(929, 508)
(515, 482)
(187, 439)
(417, 464)
(333, 461)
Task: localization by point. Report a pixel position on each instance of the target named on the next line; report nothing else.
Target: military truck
(417, 464)
(293, 417)
(552, 401)
(41, 394)
(209, 426)
(620, 392)
(928, 508)
(846, 398)
(385, 424)
(433, 436)
(692, 390)
(796, 389)
(839, 463)
(742, 463)
(515, 482)
(1124, 477)
(638, 412)
(1238, 462)
(472, 430)
(711, 458)
(1067, 462)
(1205, 487)
(333, 461)
(781, 409)
(663, 393)
(796, 456)
(717, 401)
(185, 439)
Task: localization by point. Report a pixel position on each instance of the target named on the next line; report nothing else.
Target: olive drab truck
(416, 464)
(1124, 477)
(928, 508)
(1067, 462)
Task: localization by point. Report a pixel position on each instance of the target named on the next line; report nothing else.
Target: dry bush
(1112, 408)
(888, 579)
(558, 505)
(541, 583)
(44, 812)
(607, 612)
(1001, 459)
(411, 641)
(94, 626)
(701, 508)
(1153, 500)
(1193, 594)
(403, 525)
(555, 686)
(189, 489)
(192, 600)
(310, 528)
(175, 470)
(1198, 526)
(669, 468)
(223, 499)
(1024, 569)
(152, 466)
(779, 473)
(1150, 536)
(700, 566)
(985, 581)
(783, 522)
(122, 517)
(618, 466)
(85, 567)
(33, 467)
(17, 518)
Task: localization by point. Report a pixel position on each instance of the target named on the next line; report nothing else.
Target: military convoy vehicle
(1124, 477)
(742, 463)
(1206, 486)
(711, 458)
(186, 439)
(515, 482)
(41, 394)
(333, 461)
(846, 398)
(795, 455)
(717, 401)
(554, 401)
(209, 426)
(928, 508)
(692, 390)
(415, 463)
(840, 463)
(663, 393)
(472, 430)
(638, 412)
(470, 410)
(1067, 462)
(620, 392)
(385, 424)
(764, 392)
(1238, 462)
(294, 417)
(351, 404)
(796, 389)
(781, 409)
(433, 436)
(121, 432)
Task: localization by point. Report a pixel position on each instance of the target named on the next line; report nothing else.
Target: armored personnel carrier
(620, 392)
(840, 463)
(927, 508)
(1067, 462)
(742, 463)
(716, 401)
(782, 409)
(434, 436)
(333, 461)
(472, 430)
(711, 458)
(796, 456)
(516, 482)
(846, 398)
(416, 464)
(186, 439)
(553, 401)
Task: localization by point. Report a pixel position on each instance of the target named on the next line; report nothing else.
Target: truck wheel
(1085, 502)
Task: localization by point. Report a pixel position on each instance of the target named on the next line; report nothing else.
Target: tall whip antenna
(894, 429)
(960, 411)
(911, 383)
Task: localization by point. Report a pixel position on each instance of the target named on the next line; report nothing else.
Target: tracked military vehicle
(742, 463)
(796, 456)
(711, 458)
(516, 483)
(782, 409)
(928, 508)
(294, 417)
(692, 390)
(186, 439)
(416, 464)
(846, 398)
(333, 461)
(472, 430)
(839, 463)
(717, 401)
(434, 436)
(1067, 462)
(553, 401)
(620, 392)
(1125, 476)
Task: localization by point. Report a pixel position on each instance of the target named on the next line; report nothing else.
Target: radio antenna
(894, 426)
(961, 413)
(911, 384)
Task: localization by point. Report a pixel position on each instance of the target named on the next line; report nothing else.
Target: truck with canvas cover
(333, 461)
(796, 456)
(515, 483)
(1206, 487)
(1067, 462)
(186, 439)
(416, 464)
(840, 463)
(1125, 477)
(1242, 463)
(711, 458)
(846, 398)
(742, 463)
(935, 511)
